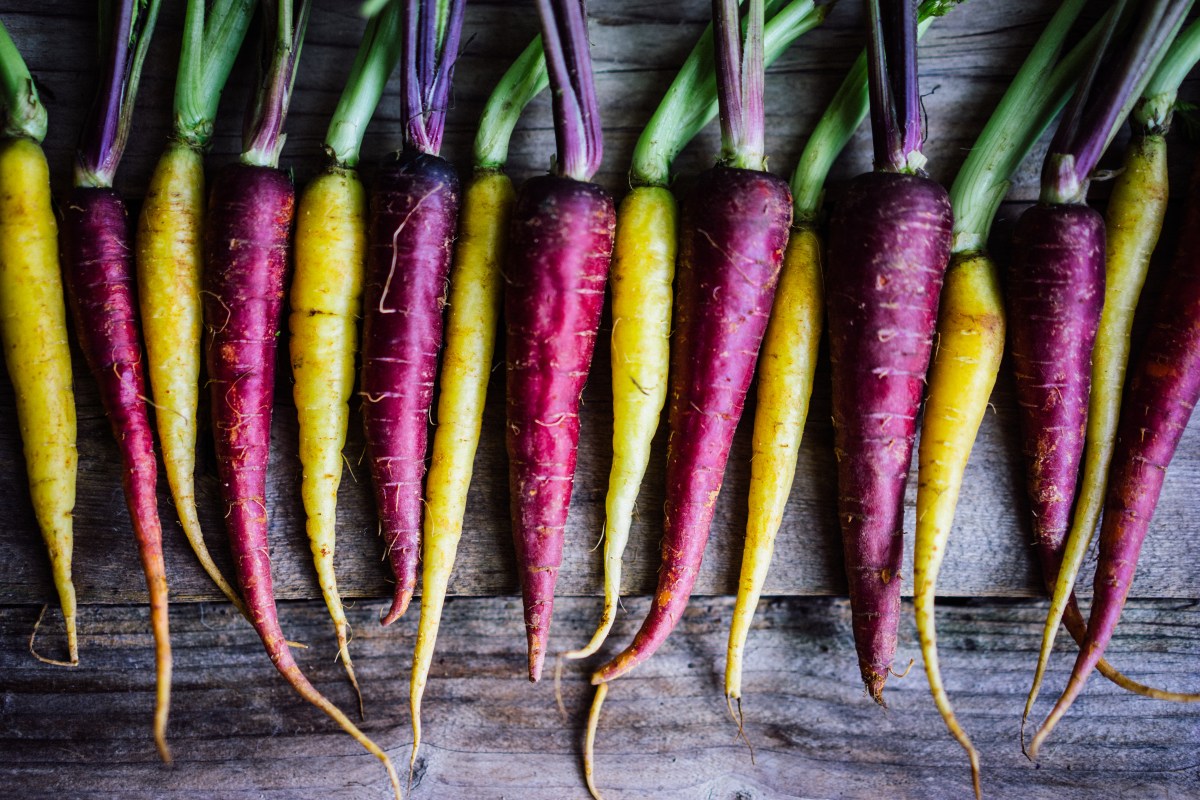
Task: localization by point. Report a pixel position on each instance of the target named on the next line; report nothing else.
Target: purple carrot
(247, 231)
(889, 245)
(559, 245)
(733, 231)
(414, 218)
(98, 268)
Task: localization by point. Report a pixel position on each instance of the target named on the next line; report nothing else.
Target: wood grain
(967, 60)
(237, 731)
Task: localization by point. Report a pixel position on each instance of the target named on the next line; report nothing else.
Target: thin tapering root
(589, 742)
(739, 719)
(342, 629)
(558, 695)
(900, 675)
(399, 606)
(606, 622)
(72, 643)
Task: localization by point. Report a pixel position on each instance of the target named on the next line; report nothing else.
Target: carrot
(560, 240)
(1134, 219)
(475, 295)
(414, 216)
(169, 255)
(326, 296)
(889, 244)
(1164, 390)
(246, 252)
(98, 271)
(789, 354)
(33, 324)
(1056, 287)
(643, 268)
(721, 315)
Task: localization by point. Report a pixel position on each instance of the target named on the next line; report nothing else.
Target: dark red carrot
(733, 231)
(889, 245)
(557, 264)
(247, 229)
(98, 268)
(1164, 391)
(560, 240)
(414, 217)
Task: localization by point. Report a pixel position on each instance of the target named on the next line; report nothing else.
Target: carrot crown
(892, 85)
(690, 103)
(523, 81)
(211, 40)
(1099, 107)
(262, 137)
(1035, 96)
(846, 111)
(376, 58)
(431, 33)
(1154, 111)
(576, 110)
(24, 114)
(125, 28)
(740, 73)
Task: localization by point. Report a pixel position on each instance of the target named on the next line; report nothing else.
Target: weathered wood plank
(238, 731)
(968, 57)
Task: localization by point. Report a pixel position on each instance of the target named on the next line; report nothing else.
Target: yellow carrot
(169, 260)
(961, 377)
(785, 378)
(170, 235)
(475, 287)
(330, 251)
(33, 332)
(643, 268)
(326, 298)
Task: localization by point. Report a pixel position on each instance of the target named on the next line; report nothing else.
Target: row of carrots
(734, 282)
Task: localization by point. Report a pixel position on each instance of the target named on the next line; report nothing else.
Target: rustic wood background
(84, 732)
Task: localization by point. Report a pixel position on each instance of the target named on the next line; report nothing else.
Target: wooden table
(239, 731)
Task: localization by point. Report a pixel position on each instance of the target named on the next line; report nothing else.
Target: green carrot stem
(24, 114)
(376, 58)
(524, 80)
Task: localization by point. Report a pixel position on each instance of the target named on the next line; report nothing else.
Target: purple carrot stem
(576, 110)
(427, 69)
(262, 136)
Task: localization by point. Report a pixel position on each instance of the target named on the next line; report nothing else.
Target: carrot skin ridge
(1055, 295)
(560, 241)
(471, 329)
(734, 228)
(98, 266)
(33, 331)
(1164, 390)
(169, 263)
(250, 215)
(414, 216)
(786, 368)
(330, 251)
(889, 246)
(643, 270)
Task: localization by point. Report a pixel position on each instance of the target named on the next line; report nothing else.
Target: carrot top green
(690, 103)
(263, 137)
(24, 114)
(125, 28)
(522, 82)
(376, 58)
(1099, 107)
(431, 34)
(1034, 97)
(212, 35)
(1154, 111)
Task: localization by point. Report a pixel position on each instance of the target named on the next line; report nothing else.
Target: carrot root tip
(399, 606)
